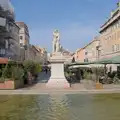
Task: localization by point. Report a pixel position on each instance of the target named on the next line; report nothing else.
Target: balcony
(7, 35)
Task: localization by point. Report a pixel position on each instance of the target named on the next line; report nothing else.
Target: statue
(56, 41)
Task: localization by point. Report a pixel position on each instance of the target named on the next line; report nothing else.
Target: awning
(80, 66)
(79, 63)
(113, 60)
(3, 60)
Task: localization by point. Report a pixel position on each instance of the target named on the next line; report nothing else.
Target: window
(21, 44)
(110, 38)
(21, 37)
(86, 53)
(119, 34)
(113, 49)
(115, 36)
(2, 51)
(119, 23)
(117, 47)
(86, 60)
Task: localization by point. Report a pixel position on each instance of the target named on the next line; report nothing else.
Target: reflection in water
(60, 107)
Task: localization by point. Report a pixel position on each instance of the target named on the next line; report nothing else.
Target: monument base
(57, 79)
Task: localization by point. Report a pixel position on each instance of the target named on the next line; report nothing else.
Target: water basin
(60, 107)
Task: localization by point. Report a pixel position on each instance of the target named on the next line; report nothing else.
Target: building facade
(9, 32)
(23, 34)
(24, 39)
(38, 54)
(110, 35)
(91, 51)
(80, 55)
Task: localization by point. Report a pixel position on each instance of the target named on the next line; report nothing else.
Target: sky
(78, 21)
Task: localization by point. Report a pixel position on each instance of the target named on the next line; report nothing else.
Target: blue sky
(77, 20)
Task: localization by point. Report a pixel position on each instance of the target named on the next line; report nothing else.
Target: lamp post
(97, 52)
(97, 58)
(98, 84)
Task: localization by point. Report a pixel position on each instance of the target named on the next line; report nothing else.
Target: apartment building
(9, 31)
(80, 55)
(24, 39)
(110, 35)
(91, 51)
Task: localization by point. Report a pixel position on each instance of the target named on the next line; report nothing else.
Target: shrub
(32, 67)
(29, 66)
(87, 75)
(37, 68)
(17, 73)
(98, 71)
(93, 73)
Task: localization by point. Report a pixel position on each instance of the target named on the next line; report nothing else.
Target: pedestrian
(46, 70)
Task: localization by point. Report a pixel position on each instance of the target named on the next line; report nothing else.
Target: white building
(24, 38)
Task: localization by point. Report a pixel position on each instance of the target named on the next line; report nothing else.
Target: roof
(95, 39)
(21, 23)
(111, 20)
(79, 49)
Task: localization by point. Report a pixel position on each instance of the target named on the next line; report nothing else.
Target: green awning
(113, 60)
(79, 63)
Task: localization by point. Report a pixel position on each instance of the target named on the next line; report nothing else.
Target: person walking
(46, 70)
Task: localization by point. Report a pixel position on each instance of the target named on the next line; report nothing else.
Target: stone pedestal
(57, 79)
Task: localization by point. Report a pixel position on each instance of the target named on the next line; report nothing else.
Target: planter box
(11, 85)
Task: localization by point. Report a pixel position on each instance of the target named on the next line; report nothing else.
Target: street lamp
(97, 52)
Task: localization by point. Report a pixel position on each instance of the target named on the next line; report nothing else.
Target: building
(38, 54)
(67, 54)
(24, 39)
(91, 51)
(79, 55)
(33, 52)
(23, 34)
(110, 35)
(9, 32)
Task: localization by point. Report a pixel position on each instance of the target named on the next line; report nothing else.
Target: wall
(91, 52)
(110, 40)
(80, 55)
